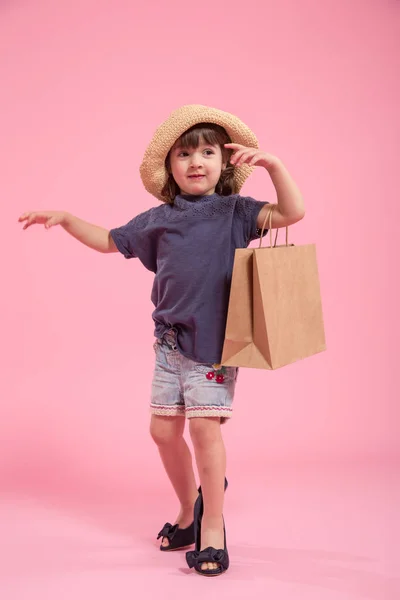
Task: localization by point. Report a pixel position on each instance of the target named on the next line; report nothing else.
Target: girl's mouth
(196, 176)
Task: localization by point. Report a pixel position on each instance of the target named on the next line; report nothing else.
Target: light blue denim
(180, 386)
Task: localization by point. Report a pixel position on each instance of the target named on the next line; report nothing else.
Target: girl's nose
(195, 161)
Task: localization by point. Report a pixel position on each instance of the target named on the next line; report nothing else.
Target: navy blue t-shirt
(190, 247)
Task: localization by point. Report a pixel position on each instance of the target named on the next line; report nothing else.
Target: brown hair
(211, 134)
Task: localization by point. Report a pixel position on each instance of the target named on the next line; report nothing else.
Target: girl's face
(197, 170)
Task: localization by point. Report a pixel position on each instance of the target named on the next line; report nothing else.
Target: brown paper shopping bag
(275, 312)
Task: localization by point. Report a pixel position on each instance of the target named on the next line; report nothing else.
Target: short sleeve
(137, 239)
(124, 239)
(248, 210)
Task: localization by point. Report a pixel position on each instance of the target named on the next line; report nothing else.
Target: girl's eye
(184, 153)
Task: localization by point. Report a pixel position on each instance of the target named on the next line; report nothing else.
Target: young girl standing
(195, 165)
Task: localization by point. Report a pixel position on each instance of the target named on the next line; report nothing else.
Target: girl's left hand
(250, 156)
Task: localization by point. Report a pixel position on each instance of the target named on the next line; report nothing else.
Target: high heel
(197, 557)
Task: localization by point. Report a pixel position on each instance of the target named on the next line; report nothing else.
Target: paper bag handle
(269, 216)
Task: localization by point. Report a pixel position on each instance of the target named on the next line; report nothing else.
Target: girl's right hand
(46, 218)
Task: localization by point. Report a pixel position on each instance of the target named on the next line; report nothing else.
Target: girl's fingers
(243, 154)
(245, 157)
(30, 220)
(234, 146)
(26, 217)
(235, 157)
(38, 218)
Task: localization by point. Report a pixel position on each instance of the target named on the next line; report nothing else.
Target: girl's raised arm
(93, 236)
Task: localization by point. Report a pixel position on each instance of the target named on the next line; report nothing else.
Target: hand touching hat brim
(152, 170)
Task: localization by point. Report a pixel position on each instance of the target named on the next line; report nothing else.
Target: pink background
(83, 86)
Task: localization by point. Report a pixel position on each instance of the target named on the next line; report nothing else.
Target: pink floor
(315, 533)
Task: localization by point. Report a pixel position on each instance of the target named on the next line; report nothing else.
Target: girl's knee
(204, 430)
(166, 430)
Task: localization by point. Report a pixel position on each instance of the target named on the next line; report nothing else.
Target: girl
(195, 164)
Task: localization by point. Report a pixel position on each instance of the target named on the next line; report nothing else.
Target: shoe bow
(168, 531)
(195, 557)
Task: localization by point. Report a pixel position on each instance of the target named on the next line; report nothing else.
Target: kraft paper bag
(275, 311)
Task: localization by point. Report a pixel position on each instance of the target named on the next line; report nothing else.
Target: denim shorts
(182, 387)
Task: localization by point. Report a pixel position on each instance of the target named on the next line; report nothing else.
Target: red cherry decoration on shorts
(220, 379)
(210, 375)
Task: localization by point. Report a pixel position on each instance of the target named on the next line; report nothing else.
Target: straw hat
(152, 170)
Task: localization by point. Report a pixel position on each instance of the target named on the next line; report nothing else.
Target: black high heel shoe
(178, 538)
(197, 557)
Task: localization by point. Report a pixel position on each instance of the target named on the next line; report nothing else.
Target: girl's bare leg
(210, 456)
(167, 432)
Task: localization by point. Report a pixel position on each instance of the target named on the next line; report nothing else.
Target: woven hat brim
(152, 170)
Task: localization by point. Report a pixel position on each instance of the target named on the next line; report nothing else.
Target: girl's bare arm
(93, 236)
